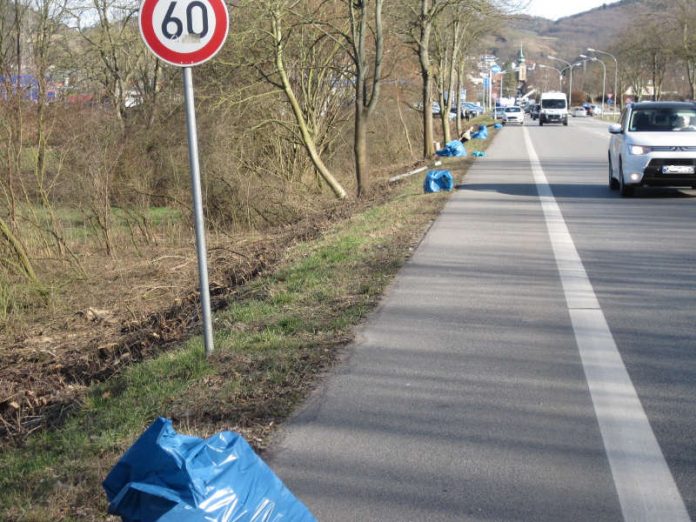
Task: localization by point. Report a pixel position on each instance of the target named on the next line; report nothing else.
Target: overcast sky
(555, 9)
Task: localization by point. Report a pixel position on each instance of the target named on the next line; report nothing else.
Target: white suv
(653, 145)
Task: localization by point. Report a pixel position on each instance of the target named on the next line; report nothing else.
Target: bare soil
(127, 310)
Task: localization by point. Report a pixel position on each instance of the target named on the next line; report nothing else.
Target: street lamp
(604, 78)
(570, 82)
(559, 71)
(617, 98)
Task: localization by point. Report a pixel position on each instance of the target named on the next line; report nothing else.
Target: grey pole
(618, 100)
(604, 84)
(570, 81)
(198, 211)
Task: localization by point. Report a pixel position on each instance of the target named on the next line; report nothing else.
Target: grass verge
(277, 334)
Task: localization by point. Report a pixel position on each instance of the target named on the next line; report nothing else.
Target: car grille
(672, 149)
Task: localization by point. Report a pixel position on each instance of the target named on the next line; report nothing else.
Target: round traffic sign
(184, 32)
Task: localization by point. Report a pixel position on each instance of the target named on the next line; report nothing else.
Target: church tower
(521, 74)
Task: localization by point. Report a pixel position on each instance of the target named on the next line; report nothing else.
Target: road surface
(534, 360)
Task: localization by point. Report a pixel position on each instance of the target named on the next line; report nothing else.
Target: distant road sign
(184, 32)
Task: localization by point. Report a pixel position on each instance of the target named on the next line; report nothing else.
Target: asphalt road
(534, 360)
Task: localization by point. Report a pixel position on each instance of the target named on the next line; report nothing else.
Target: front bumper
(553, 118)
(650, 170)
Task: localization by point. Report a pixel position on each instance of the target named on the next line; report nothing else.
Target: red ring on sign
(203, 54)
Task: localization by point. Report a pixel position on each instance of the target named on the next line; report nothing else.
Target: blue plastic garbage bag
(437, 180)
(452, 148)
(170, 477)
(481, 133)
(478, 154)
(497, 125)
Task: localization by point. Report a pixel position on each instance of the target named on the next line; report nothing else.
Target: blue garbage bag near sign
(170, 477)
(480, 134)
(497, 125)
(437, 180)
(454, 148)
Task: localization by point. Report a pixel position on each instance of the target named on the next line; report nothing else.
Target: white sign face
(184, 32)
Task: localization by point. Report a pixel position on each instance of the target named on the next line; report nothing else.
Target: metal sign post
(185, 33)
(198, 211)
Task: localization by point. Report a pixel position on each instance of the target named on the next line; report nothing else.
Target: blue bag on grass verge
(497, 125)
(480, 134)
(437, 180)
(478, 154)
(453, 148)
(170, 477)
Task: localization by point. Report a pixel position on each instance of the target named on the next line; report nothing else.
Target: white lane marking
(645, 486)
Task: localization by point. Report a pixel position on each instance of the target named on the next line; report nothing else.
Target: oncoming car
(578, 112)
(653, 145)
(513, 115)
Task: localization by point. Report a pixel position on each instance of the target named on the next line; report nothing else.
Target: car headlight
(638, 150)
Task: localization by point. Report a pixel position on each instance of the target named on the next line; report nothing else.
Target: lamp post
(570, 82)
(559, 71)
(617, 98)
(604, 78)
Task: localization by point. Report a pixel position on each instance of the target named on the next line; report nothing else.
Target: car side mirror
(615, 128)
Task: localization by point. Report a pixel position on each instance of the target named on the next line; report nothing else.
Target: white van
(554, 108)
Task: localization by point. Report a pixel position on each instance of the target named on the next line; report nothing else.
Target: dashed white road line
(644, 483)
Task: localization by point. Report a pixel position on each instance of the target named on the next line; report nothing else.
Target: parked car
(472, 109)
(578, 112)
(498, 113)
(653, 145)
(513, 115)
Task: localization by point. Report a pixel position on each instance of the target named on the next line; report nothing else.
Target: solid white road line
(644, 483)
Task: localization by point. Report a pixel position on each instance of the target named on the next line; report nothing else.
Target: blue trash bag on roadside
(497, 125)
(478, 154)
(170, 477)
(453, 148)
(480, 134)
(437, 180)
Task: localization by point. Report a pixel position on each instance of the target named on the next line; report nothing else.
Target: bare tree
(367, 86)
(115, 53)
(424, 15)
(682, 14)
(305, 85)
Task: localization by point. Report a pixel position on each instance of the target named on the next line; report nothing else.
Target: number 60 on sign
(184, 32)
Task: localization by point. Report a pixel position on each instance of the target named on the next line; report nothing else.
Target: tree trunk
(360, 149)
(428, 148)
(19, 251)
(444, 116)
(426, 75)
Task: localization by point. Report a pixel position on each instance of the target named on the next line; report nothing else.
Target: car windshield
(553, 104)
(513, 109)
(663, 120)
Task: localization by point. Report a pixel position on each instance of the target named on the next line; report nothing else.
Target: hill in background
(566, 37)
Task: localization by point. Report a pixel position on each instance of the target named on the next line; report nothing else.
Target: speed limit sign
(187, 33)
(184, 32)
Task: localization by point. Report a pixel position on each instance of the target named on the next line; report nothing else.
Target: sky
(555, 9)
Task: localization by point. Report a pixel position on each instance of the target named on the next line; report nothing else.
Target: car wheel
(541, 122)
(626, 190)
(613, 183)
(565, 122)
